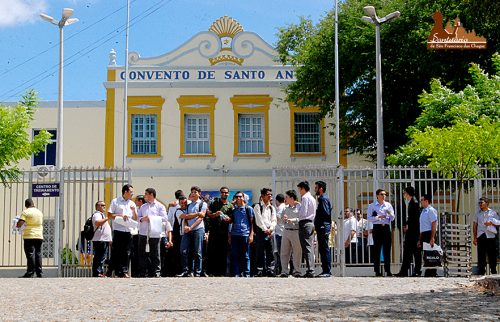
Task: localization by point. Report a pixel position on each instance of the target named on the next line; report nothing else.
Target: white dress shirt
(120, 206)
(151, 209)
(307, 208)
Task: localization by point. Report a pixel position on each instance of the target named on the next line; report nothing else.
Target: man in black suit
(412, 231)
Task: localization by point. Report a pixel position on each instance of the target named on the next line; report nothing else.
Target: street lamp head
(49, 19)
(67, 12)
(367, 19)
(370, 12)
(391, 16)
(71, 21)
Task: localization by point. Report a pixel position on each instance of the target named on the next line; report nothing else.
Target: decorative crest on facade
(226, 28)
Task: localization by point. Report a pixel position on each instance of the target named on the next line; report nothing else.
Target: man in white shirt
(350, 227)
(151, 216)
(485, 234)
(265, 219)
(278, 231)
(361, 236)
(101, 240)
(428, 227)
(307, 212)
(122, 208)
(380, 213)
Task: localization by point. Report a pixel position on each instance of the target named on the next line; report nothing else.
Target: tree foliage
(457, 131)
(15, 143)
(407, 65)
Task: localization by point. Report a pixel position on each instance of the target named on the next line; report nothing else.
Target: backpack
(88, 229)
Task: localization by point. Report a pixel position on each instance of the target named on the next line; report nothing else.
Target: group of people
(193, 237)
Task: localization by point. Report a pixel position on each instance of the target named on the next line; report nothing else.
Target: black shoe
(27, 275)
(308, 275)
(196, 275)
(259, 274)
(183, 274)
(270, 274)
(388, 274)
(283, 275)
(297, 275)
(203, 274)
(401, 275)
(378, 274)
(324, 275)
(39, 275)
(416, 274)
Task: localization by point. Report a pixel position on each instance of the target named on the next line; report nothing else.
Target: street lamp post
(65, 21)
(371, 17)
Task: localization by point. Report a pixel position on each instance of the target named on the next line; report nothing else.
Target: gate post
(58, 231)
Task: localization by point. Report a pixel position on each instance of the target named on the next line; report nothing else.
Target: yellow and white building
(210, 113)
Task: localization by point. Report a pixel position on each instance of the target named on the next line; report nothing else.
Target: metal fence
(355, 188)
(64, 215)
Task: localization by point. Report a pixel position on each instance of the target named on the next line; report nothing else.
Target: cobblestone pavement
(250, 299)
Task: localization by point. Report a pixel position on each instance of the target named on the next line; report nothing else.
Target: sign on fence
(45, 189)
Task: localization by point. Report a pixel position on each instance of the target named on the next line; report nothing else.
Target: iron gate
(355, 188)
(64, 216)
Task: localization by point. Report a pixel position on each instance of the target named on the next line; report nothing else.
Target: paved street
(252, 299)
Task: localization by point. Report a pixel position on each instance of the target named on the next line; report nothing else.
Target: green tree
(15, 143)
(475, 109)
(407, 65)
(457, 131)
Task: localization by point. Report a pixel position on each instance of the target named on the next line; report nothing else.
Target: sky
(29, 46)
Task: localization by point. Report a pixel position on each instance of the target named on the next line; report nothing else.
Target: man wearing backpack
(101, 239)
(265, 219)
(124, 208)
(241, 236)
(194, 231)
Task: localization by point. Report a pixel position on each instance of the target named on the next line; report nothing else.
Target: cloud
(17, 12)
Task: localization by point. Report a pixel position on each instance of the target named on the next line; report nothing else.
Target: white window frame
(197, 133)
(254, 133)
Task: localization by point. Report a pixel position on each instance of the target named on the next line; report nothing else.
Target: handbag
(433, 256)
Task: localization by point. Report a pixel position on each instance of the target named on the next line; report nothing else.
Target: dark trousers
(100, 252)
(323, 235)
(411, 251)
(149, 262)
(240, 258)
(350, 254)
(362, 249)
(306, 236)
(382, 238)
(217, 253)
(265, 256)
(120, 252)
(163, 257)
(33, 252)
(134, 256)
(277, 254)
(173, 257)
(486, 247)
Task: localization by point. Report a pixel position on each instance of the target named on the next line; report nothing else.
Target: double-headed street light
(65, 21)
(371, 17)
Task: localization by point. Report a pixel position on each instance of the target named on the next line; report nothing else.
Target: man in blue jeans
(194, 231)
(241, 236)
